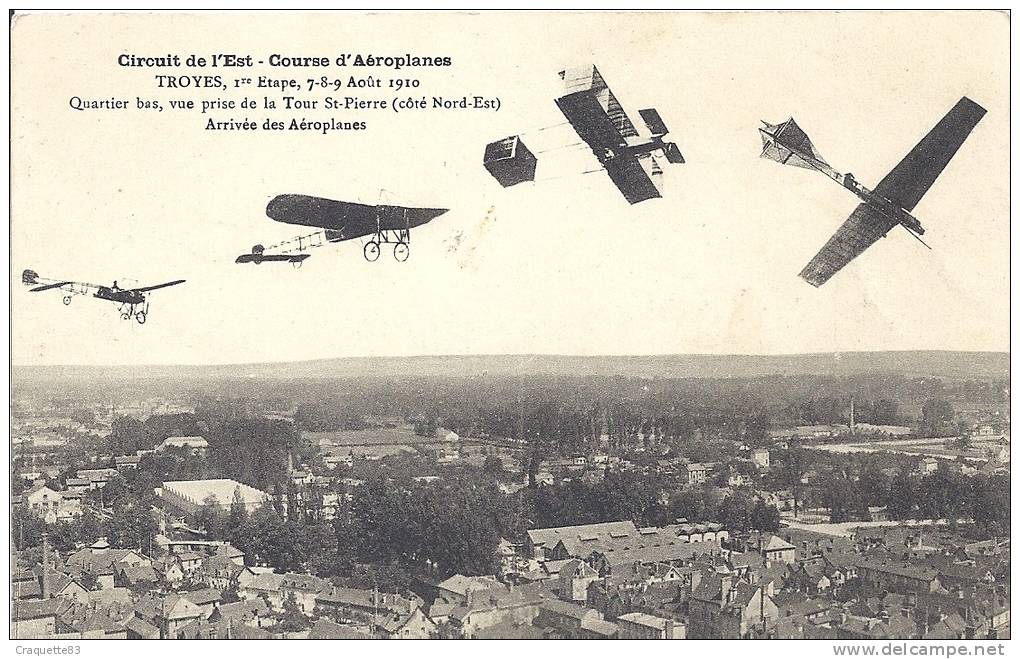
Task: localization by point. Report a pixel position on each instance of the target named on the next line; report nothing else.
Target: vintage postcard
(511, 325)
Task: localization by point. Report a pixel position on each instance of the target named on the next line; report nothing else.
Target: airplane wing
(636, 177)
(911, 178)
(348, 219)
(587, 79)
(860, 231)
(47, 287)
(591, 123)
(146, 289)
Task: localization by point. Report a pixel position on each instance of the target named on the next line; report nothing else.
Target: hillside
(938, 364)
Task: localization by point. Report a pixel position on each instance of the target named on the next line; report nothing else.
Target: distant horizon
(507, 355)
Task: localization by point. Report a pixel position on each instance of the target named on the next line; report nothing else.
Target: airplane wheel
(371, 251)
(296, 264)
(256, 259)
(67, 299)
(140, 317)
(401, 251)
(125, 316)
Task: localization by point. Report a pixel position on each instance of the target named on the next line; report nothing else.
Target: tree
(764, 517)
(238, 511)
(131, 527)
(294, 619)
(936, 417)
(493, 466)
(211, 518)
(902, 498)
(885, 412)
(735, 512)
(961, 443)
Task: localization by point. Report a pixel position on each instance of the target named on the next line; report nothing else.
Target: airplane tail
(672, 153)
(788, 144)
(654, 122)
(29, 277)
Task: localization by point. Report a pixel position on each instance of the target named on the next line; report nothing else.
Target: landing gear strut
(398, 237)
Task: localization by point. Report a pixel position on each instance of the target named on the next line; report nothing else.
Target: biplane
(340, 221)
(631, 160)
(131, 302)
(892, 200)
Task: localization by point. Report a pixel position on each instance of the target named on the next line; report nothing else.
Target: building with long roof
(187, 497)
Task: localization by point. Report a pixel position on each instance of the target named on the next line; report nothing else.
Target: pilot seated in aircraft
(850, 183)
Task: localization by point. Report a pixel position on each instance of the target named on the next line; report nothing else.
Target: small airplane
(132, 302)
(601, 122)
(339, 221)
(892, 200)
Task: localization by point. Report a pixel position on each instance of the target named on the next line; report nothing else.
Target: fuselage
(870, 197)
(639, 145)
(120, 295)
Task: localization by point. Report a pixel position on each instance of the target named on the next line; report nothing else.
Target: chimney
(852, 423)
(725, 586)
(45, 566)
(695, 580)
(669, 629)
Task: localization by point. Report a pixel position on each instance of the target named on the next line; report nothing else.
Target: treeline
(848, 485)
(454, 525)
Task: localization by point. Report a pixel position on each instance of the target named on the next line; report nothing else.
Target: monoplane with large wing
(590, 107)
(339, 221)
(132, 302)
(892, 200)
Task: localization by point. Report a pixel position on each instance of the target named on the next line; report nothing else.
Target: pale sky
(562, 266)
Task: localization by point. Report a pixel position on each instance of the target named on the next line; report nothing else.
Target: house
(574, 577)
(643, 626)
(413, 624)
(325, 629)
(898, 577)
(169, 570)
(540, 543)
(100, 562)
(97, 478)
(196, 444)
(122, 462)
(94, 621)
(77, 485)
(43, 502)
(169, 613)
(499, 605)
(138, 629)
(760, 457)
(36, 619)
(303, 588)
(634, 563)
(189, 561)
(783, 500)
(723, 607)
(927, 465)
(455, 589)
(361, 603)
(568, 620)
(206, 599)
(694, 473)
(219, 571)
(141, 576)
(253, 612)
(774, 548)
